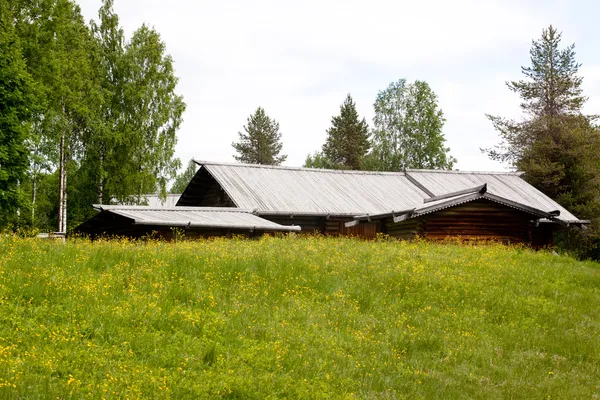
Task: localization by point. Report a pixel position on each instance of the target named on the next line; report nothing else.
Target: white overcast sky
(299, 59)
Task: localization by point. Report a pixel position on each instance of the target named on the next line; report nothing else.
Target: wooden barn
(429, 203)
(224, 199)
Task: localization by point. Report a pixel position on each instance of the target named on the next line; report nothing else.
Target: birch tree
(17, 103)
(408, 129)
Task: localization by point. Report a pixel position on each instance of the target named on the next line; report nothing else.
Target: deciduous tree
(184, 178)
(59, 51)
(17, 102)
(408, 129)
(152, 113)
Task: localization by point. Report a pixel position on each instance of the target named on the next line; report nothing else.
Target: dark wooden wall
(402, 230)
(205, 191)
(477, 220)
(480, 219)
(367, 230)
(327, 226)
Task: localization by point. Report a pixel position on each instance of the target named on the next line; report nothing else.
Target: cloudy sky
(299, 59)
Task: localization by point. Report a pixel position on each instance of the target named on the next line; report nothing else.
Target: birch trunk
(101, 183)
(64, 213)
(62, 206)
(33, 196)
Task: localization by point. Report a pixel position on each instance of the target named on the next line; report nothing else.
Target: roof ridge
(357, 172)
(109, 207)
(441, 171)
(290, 168)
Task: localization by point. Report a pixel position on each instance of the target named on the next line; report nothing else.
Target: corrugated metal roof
(304, 190)
(452, 201)
(277, 189)
(196, 217)
(506, 185)
(154, 200)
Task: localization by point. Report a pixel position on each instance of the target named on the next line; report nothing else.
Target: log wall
(402, 230)
(479, 220)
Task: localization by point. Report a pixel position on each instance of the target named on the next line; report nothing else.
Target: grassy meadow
(309, 318)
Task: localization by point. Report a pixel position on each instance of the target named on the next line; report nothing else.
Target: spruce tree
(261, 142)
(347, 140)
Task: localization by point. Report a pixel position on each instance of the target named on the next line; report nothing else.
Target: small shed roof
(196, 217)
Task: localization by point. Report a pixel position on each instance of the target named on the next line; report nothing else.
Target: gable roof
(280, 190)
(191, 217)
(275, 189)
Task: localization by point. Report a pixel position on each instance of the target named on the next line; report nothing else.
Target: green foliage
(111, 102)
(152, 115)
(553, 87)
(59, 51)
(182, 180)
(408, 129)
(103, 148)
(261, 144)
(17, 104)
(295, 318)
(347, 140)
(556, 146)
(319, 160)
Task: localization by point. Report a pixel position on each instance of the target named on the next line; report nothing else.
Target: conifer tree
(555, 145)
(261, 142)
(347, 140)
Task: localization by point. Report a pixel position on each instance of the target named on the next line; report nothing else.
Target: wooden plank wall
(402, 230)
(215, 196)
(309, 225)
(327, 226)
(365, 230)
(480, 220)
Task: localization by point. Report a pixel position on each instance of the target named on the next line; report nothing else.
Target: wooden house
(429, 203)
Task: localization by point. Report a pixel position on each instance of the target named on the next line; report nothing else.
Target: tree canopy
(555, 145)
(407, 129)
(347, 140)
(184, 178)
(107, 114)
(17, 104)
(261, 142)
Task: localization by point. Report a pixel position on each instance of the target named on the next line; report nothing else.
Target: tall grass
(295, 318)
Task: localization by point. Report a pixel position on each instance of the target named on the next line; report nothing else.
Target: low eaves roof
(466, 196)
(507, 185)
(196, 217)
